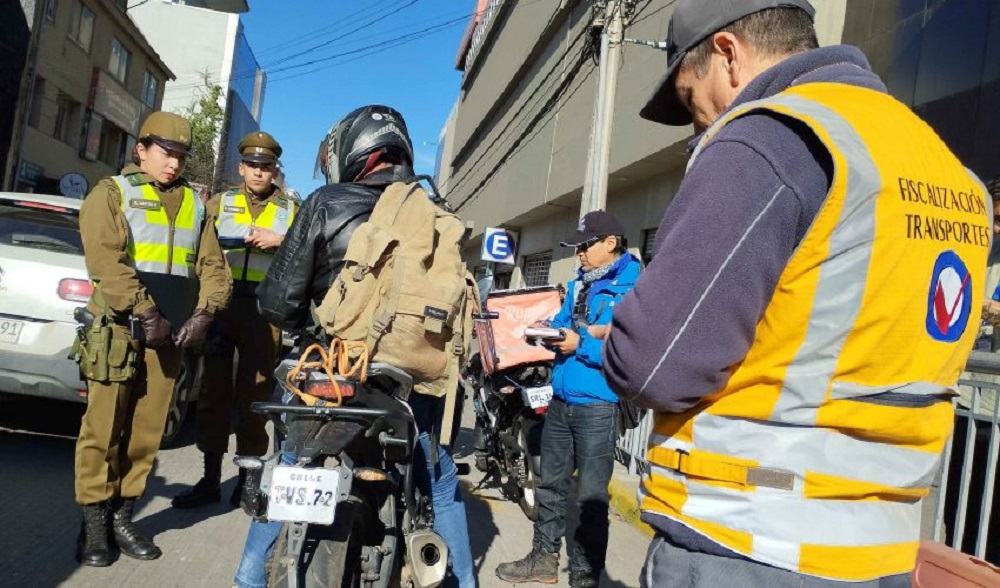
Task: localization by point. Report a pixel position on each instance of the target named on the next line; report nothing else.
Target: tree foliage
(205, 116)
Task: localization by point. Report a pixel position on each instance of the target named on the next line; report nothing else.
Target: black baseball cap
(594, 225)
(691, 23)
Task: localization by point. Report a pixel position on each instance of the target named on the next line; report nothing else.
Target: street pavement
(39, 521)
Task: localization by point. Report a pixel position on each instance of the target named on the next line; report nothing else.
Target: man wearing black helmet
(364, 153)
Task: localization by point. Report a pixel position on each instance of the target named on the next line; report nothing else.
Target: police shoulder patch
(134, 179)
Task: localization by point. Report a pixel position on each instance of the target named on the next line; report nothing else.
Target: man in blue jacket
(581, 423)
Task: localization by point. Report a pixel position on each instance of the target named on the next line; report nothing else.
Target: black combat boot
(92, 547)
(537, 566)
(206, 491)
(130, 541)
(237, 495)
(583, 579)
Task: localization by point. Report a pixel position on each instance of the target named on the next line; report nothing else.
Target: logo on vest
(145, 204)
(234, 209)
(949, 302)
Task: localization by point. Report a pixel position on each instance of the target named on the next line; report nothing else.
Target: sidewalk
(624, 489)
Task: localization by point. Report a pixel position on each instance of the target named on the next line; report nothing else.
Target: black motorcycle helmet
(350, 143)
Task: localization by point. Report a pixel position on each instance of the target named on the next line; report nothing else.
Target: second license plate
(305, 495)
(537, 397)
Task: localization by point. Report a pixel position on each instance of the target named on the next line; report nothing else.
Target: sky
(417, 77)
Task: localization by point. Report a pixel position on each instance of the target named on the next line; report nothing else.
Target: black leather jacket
(312, 253)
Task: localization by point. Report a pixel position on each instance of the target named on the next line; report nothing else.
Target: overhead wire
(439, 26)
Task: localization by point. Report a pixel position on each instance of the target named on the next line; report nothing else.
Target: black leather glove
(193, 331)
(155, 327)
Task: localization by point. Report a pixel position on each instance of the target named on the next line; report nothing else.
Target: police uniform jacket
(105, 236)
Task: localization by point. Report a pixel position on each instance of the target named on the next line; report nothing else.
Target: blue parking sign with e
(498, 246)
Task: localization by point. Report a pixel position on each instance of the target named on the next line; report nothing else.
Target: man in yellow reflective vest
(813, 297)
(251, 221)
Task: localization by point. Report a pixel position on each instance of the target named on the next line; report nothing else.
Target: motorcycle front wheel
(529, 498)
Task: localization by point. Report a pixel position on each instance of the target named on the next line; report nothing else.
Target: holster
(104, 351)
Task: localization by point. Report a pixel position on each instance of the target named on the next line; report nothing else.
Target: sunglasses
(583, 247)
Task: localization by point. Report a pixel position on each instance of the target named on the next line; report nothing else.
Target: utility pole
(595, 186)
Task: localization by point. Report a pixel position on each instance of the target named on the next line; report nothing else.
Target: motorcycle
(510, 383)
(344, 489)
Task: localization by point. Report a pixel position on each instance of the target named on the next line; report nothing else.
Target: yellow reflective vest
(816, 454)
(234, 222)
(155, 245)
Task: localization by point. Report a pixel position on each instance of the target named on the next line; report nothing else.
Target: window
(120, 58)
(536, 269)
(81, 28)
(68, 120)
(501, 281)
(150, 85)
(37, 228)
(37, 98)
(648, 241)
(110, 150)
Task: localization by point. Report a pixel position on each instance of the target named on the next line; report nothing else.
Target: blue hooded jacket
(577, 378)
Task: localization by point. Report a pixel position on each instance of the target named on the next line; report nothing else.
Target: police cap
(259, 147)
(168, 130)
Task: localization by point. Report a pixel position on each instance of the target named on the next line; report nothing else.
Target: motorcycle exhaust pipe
(427, 557)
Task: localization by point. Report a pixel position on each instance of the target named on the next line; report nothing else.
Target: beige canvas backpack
(405, 291)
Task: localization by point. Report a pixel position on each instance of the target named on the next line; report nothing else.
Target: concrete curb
(624, 500)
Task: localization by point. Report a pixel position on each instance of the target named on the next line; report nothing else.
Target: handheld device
(135, 331)
(544, 333)
(233, 243)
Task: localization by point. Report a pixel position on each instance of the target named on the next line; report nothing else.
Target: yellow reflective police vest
(155, 245)
(234, 222)
(816, 454)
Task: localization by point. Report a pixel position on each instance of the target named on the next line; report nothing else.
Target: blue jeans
(577, 437)
(449, 510)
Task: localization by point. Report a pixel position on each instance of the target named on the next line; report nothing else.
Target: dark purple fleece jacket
(739, 214)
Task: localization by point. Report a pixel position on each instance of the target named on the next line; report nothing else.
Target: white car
(43, 279)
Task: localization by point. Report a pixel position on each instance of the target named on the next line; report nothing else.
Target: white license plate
(10, 331)
(306, 495)
(537, 397)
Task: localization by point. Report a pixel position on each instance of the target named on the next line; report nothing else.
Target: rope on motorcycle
(337, 360)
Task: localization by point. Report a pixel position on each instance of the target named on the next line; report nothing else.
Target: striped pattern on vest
(154, 245)
(234, 222)
(816, 454)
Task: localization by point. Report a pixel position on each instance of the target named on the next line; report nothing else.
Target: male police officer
(159, 276)
(252, 221)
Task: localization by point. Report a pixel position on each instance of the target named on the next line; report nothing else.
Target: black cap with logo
(594, 225)
(691, 23)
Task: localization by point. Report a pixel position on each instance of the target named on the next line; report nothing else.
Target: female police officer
(159, 276)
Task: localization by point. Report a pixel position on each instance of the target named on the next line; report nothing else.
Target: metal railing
(963, 503)
(631, 449)
(965, 499)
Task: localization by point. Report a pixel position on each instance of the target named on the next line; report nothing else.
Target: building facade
(202, 44)
(91, 77)
(942, 58)
(520, 136)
